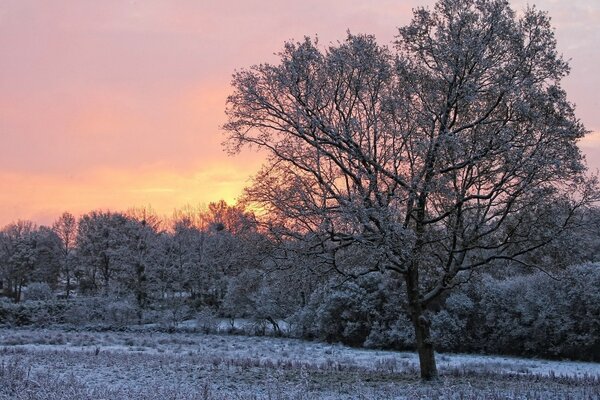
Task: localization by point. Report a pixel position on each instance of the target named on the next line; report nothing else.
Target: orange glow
(43, 198)
(113, 104)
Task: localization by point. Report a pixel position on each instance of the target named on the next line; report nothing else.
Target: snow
(247, 366)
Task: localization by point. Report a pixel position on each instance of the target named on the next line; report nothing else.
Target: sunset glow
(115, 104)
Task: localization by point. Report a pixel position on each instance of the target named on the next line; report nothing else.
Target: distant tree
(102, 245)
(47, 248)
(118, 254)
(260, 295)
(147, 216)
(28, 254)
(205, 257)
(221, 216)
(66, 229)
(217, 216)
(18, 256)
(166, 274)
(238, 301)
(433, 161)
(211, 244)
(139, 256)
(185, 254)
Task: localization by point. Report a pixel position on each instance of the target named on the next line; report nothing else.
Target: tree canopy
(454, 149)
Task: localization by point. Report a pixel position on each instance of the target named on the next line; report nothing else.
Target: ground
(60, 364)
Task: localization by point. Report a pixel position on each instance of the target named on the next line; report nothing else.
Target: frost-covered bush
(399, 335)
(86, 311)
(369, 311)
(582, 293)
(37, 313)
(14, 314)
(533, 315)
(120, 313)
(207, 320)
(451, 322)
(337, 314)
(343, 316)
(38, 291)
(174, 312)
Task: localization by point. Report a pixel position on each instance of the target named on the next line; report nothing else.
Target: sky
(115, 104)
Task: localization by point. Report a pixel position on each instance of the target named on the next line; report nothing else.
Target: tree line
(218, 262)
(451, 154)
(132, 253)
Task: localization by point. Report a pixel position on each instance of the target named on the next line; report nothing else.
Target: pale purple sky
(114, 103)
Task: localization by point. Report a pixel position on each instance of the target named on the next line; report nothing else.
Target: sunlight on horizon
(45, 198)
(112, 105)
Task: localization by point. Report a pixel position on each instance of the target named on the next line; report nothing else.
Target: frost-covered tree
(211, 244)
(165, 275)
(220, 216)
(66, 229)
(139, 256)
(147, 216)
(102, 245)
(47, 249)
(117, 254)
(28, 254)
(435, 159)
(17, 256)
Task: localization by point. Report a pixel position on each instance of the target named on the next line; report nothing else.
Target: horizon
(116, 105)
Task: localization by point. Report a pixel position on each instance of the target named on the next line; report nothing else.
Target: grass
(90, 365)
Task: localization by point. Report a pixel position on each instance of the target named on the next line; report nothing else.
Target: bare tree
(66, 229)
(146, 215)
(437, 159)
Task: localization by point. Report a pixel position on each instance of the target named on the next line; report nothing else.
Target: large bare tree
(456, 149)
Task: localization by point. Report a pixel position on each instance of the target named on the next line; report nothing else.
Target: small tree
(66, 229)
(433, 161)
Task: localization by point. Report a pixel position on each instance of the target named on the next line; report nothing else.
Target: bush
(367, 312)
(207, 321)
(532, 315)
(38, 291)
(38, 313)
(526, 315)
(120, 313)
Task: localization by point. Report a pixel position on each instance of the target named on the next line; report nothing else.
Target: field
(60, 364)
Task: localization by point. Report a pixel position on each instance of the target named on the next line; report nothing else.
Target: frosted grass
(55, 364)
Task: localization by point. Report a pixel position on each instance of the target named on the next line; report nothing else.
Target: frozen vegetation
(60, 364)
(427, 195)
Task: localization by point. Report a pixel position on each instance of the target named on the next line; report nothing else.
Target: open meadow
(62, 364)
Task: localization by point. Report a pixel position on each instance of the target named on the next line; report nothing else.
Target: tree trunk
(425, 348)
(18, 291)
(68, 288)
(422, 332)
(276, 328)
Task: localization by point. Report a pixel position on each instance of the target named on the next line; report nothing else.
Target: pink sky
(115, 103)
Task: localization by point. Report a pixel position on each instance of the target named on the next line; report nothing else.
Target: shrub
(38, 291)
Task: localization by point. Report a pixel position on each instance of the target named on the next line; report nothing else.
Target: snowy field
(58, 364)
